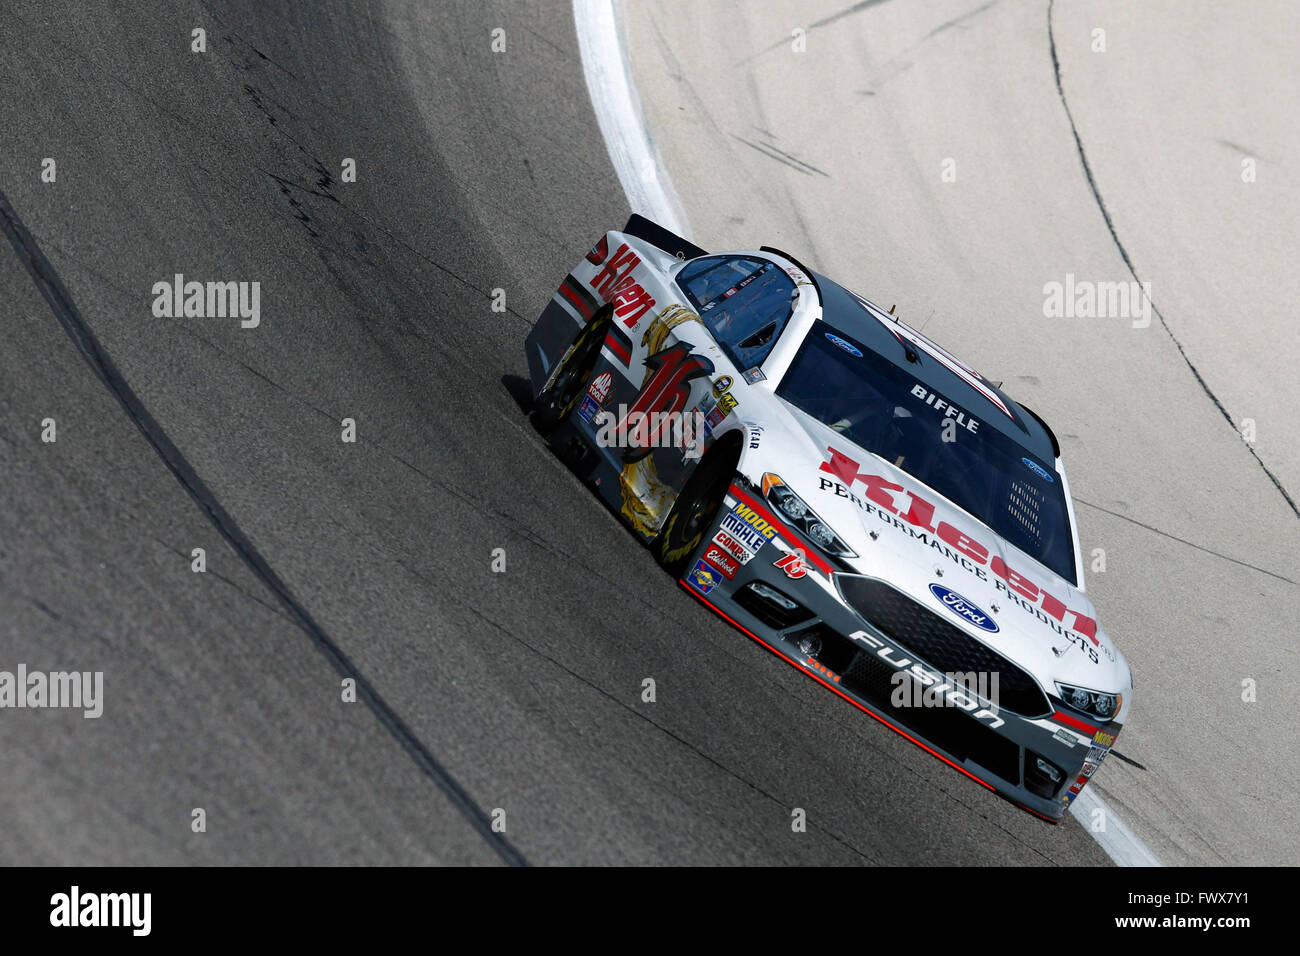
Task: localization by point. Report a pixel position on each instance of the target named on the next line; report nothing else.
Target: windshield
(881, 407)
(744, 301)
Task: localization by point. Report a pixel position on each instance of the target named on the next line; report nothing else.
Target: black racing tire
(562, 391)
(696, 508)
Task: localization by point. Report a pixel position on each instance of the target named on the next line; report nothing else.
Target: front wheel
(559, 396)
(695, 510)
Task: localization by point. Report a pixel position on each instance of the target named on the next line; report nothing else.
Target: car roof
(850, 314)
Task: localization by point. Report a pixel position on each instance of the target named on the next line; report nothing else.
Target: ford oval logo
(846, 346)
(1038, 469)
(964, 609)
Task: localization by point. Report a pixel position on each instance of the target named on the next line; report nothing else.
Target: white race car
(846, 493)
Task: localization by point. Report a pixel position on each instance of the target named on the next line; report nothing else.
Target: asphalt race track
(516, 695)
(955, 158)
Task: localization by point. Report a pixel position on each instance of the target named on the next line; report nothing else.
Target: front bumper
(1040, 764)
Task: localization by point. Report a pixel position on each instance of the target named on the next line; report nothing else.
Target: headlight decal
(1096, 704)
(796, 511)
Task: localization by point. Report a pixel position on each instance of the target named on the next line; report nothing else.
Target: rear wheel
(560, 395)
(695, 509)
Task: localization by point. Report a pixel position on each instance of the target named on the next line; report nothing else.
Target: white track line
(650, 192)
(618, 112)
(1120, 843)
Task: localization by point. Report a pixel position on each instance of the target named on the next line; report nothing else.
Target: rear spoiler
(1056, 445)
(661, 238)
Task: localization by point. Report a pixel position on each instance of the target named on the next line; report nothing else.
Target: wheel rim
(686, 530)
(565, 390)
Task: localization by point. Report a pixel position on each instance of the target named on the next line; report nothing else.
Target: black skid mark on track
(56, 295)
(1110, 225)
(339, 260)
(299, 208)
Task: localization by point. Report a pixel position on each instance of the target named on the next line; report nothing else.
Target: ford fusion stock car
(845, 492)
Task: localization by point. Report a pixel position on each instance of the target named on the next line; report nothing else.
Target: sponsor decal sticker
(754, 521)
(614, 283)
(745, 534)
(1104, 739)
(1038, 469)
(1065, 737)
(703, 577)
(965, 609)
(600, 387)
(737, 549)
(754, 374)
(720, 559)
(846, 346)
(793, 565)
(721, 385)
(587, 410)
(912, 514)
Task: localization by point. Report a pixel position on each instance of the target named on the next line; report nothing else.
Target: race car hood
(942, 558)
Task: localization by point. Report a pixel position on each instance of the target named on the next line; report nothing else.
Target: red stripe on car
(1074, 722)
(619, 349)
(578, 302)
(814, 676)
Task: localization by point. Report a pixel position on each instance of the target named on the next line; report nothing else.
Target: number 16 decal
(665, 393)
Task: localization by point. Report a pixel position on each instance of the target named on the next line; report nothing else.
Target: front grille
(865, 675)
(940, 644)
